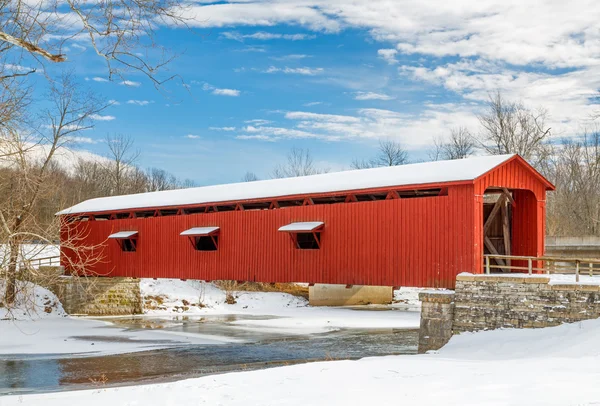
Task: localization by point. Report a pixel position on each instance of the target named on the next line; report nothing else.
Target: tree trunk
(11, 274)
(14, 244)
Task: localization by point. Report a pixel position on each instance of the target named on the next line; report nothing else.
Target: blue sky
(336, 77)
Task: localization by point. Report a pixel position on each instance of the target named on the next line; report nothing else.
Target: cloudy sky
(335, 76)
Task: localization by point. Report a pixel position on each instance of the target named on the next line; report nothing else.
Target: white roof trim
(199, 231)
(395, 176)
(299, 227)
(123, 235)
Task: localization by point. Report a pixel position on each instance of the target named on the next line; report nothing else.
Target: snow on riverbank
(39, 325)
(32, 302)
(552, 366)
(67, 335)
(41, 332)
(292, 314)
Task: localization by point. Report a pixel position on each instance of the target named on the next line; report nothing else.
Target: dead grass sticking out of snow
(290, 288)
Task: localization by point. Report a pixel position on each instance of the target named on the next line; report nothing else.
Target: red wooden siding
(529, 212)
(423, 241)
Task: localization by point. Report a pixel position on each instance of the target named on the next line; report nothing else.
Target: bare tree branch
(34, 49)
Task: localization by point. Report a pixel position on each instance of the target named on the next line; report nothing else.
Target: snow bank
(32, 302)
(290, 314)
(173, 296)
(408, 298)
(552, 366)
(575, 340)
(71, 336)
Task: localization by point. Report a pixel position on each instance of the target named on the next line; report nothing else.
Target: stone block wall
(485, 302)
(437, 316)
(488, 302)
(99, 296)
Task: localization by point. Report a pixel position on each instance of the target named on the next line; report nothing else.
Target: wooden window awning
(305, 227)
(200, 231)
(124, 235)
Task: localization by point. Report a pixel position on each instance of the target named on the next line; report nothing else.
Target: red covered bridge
(411, 225)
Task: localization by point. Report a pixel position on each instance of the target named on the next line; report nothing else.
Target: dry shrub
(290, 288)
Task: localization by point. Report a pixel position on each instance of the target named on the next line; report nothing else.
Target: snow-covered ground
(40, 326)
(552, 366)
(292, 314)
(32, 302)
(69, 336)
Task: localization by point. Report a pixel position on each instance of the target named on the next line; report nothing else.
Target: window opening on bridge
(127, 240)
(203, 238)
(305, 235)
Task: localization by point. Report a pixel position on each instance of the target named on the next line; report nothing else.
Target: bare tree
(123, 157)
(511, 128)
(159, 179)
(459, 145)
(299, 163)
(69, 112)
(574, 208)
(249, 177)
(118, 30)
(32, 35)
(391, 153)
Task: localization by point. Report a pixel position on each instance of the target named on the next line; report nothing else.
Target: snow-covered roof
(123, 234)
(413, 174)
(306, 226)
(199, 231)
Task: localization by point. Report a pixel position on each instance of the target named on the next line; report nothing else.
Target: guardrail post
(530, 266)
(576, 271)
(487, 264)
(591, 269)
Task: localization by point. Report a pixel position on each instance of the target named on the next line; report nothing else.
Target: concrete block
(340, 295)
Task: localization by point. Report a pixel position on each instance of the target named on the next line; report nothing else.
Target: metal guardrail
(547, 265)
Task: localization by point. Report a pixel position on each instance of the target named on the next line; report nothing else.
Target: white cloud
(310, 104)
(192, 136)
(517, 46)
(140, 102)
(291, 57)
(303, 115)
(298, 71)
(226, 92)
(258, 121)
(372, 96)
(222, 128)
(130, 83)
(219, 92)
(259, 14)
(99, 117)
(83, 140)
(114, 103)
(388, 55)
(253, 48)
(256, 137)
(77, 46)
(275, 133)
(264, 36)
(415, 131)
(17, 68)
(99, 79)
